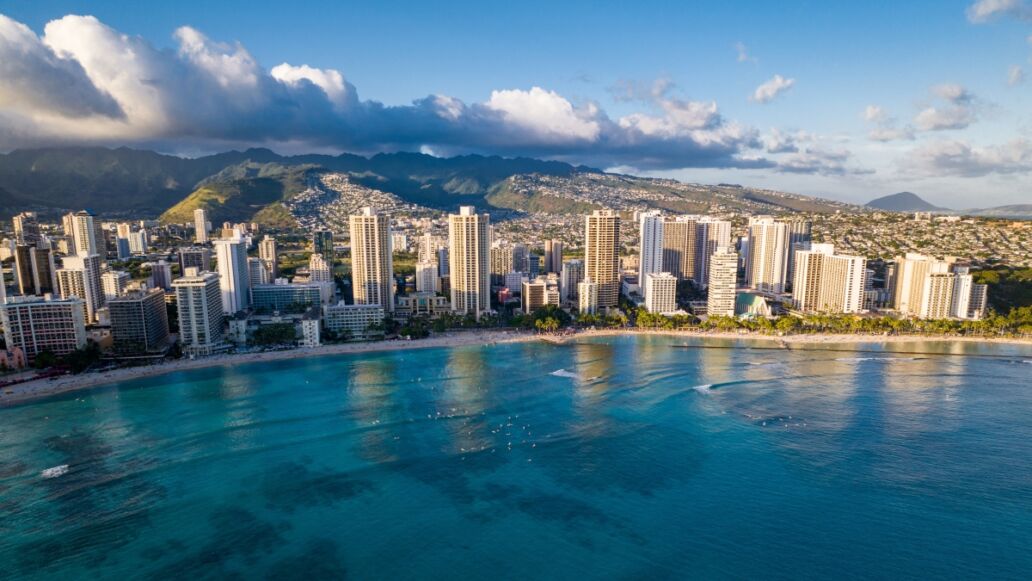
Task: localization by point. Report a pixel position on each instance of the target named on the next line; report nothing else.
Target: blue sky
(657, 88)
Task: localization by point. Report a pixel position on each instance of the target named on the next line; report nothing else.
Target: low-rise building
(542, 291)
(294, 298)
(354, 321)
(422, 304)
(35, 325)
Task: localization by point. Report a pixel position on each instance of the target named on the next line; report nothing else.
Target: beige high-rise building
(269, 255)
(911, 274)
(469, 257)
(767, 264)
(372, 263)
(26, 229)
(937, 299)
(723, 283)
(602, 255)
(827, 282)
(680, 246)
(200, 225)
(553, 256)
(710, 234)
(501, 261)
(319, 269)
(927, 287)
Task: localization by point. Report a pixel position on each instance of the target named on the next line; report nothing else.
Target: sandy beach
(790, 340)
(42, 388)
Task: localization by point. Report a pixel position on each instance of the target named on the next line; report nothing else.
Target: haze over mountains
(254, 184)
(911, 202)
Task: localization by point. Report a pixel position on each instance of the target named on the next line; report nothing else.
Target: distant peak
(903, 202)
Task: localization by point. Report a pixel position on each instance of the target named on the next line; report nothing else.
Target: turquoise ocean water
(627, 457)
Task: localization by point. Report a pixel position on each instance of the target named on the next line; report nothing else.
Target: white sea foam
(706, 388)
(55, 471)
(858, 359)
(564, 373)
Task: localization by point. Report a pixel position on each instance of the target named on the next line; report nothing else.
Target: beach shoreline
(37, 389)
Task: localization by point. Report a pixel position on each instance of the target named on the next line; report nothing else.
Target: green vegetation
(1008, 288)
(275, 216)
(547, 319)
(1017, 323)
(241, 193)
(502, 195)
(76, 361)
(274, 334)
(404, 263)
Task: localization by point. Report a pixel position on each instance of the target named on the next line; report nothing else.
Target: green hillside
(242, 193)
(503, 195)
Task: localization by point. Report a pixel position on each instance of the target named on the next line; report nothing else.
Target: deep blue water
(640, 460)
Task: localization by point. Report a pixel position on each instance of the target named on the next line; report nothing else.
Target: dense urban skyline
(847, 101)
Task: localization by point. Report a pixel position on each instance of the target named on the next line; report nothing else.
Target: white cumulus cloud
(985, 10)
(958, 111)
(330, 81)
(82, 81)
(769, 90)
(546, 114)
(959, 158)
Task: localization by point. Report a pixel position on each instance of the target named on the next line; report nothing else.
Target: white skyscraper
(231, 263)
(723, 278)
(138, 242)
(587, 297)
(660, 292)
(256, 272)
(426, 277)
(767, 265)
(199, 301)
(80, 277)
(372, 264)
(469, 249)
(200, 225)
(650, 244)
